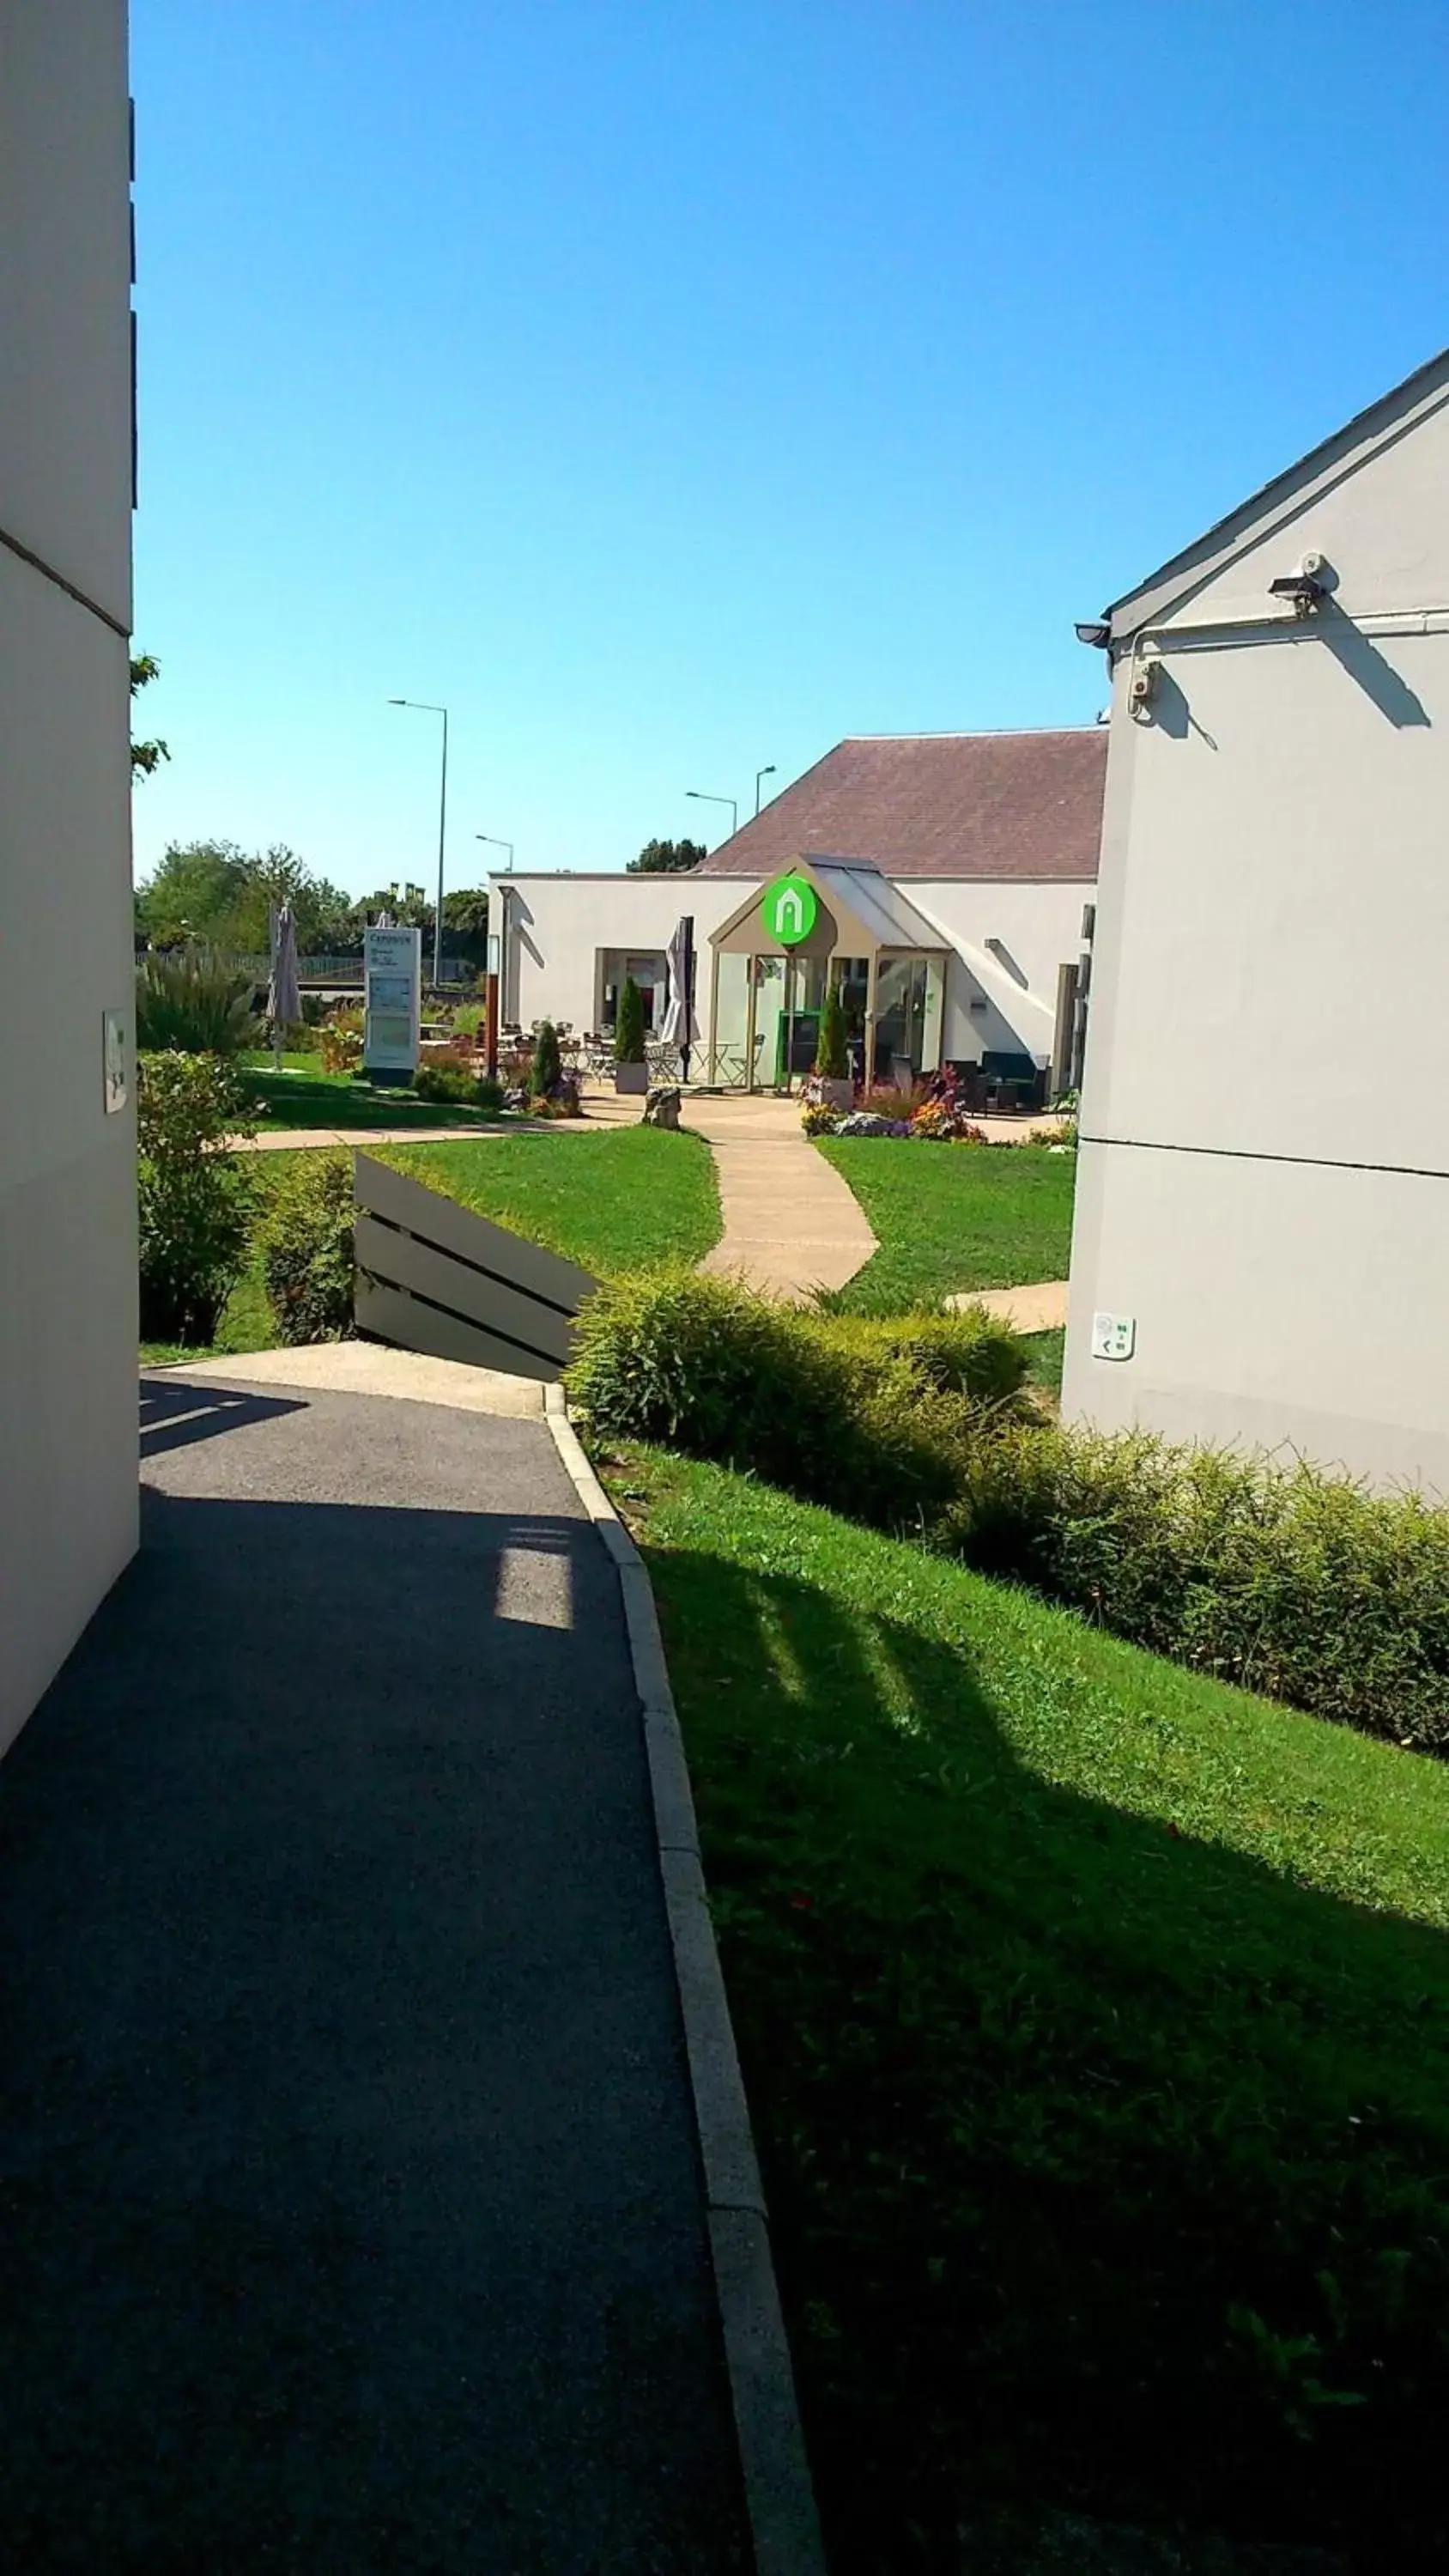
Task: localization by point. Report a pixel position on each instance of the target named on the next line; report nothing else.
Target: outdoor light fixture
(1304, 587)
(1093, 631)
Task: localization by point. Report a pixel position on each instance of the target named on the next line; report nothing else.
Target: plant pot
(837, 1091)
(632, 1078)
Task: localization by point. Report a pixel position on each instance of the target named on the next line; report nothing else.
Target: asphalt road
(350, 2215)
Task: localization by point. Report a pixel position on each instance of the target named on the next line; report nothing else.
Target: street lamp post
(767, 772)
(422, 706)
(702, 797)
(495, 844)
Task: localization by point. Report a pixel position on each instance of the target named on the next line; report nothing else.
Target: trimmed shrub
(832, 1055)
(629, 1027)
(969, 1353)
(195, 1198)
(545, 1074)
(342, 1040)
(1286, 1580)
(190, 1003)
(446, 1076)
(307, 1250)
(842, 1414)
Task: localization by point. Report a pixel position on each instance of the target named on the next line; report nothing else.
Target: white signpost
(392, 1003)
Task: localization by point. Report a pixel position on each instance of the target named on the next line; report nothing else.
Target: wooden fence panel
(435, 1276)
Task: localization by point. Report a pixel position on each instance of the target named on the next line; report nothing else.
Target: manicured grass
(629, 1198)
(1094, 2017)
(953, 1216)
(302, 1095)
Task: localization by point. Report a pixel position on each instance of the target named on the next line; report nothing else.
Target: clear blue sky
(678, 385)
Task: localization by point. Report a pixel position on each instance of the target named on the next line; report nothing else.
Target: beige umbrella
(284, 1001)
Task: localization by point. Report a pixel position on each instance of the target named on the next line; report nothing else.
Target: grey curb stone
(780, 2502)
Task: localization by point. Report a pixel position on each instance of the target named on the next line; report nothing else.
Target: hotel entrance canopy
(824, 919)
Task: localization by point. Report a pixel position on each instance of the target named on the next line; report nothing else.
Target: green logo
(791, 909)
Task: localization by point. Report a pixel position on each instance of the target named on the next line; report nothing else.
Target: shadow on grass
(1108, 2169)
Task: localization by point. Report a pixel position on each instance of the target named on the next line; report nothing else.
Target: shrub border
(779, 2498)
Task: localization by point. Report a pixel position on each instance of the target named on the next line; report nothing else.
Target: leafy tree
(629, 1027)
(666, 858)
(194, 893)
(145, 756)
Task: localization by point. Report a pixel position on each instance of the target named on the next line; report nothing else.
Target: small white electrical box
(1114, 1337)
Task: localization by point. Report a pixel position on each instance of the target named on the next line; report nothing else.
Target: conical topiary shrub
(545, 1073)
(831, 1057)
(629, 1030)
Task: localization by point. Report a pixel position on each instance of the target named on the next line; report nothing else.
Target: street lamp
(422, 706)
(767, 772)
(702, 797)
(495, 844)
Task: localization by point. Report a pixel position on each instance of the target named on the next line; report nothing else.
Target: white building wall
(1264, 1176)
(1038, 928)
(561, 923)
(67, 1199)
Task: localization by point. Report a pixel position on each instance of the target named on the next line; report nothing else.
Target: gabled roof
(1324, 465)
(1022, 806)
(864, 902)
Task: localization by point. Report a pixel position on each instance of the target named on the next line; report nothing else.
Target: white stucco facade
(564, 931)
(67, 1197)
(1264, 1182)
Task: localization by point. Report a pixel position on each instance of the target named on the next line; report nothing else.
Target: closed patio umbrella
(284, 1001)
(680, 1028)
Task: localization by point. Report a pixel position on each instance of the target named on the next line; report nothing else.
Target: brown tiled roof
(994, 805)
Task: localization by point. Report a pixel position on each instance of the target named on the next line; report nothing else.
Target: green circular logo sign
(791, 908)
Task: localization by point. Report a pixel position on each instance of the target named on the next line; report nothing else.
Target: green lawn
(629, 1198)
(952, 1216)
(1095, 2019)
(302, 1095)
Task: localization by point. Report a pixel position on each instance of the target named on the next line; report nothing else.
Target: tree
(666, 858)
(194, 893)
(145, 756)
(629, 1026)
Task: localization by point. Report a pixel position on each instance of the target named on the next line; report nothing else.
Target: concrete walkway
(1041, 1308)
(790, 1222)
(348, 2180)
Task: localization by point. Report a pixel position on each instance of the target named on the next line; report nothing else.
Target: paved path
(348, 2178)
(790, 1222)
(1038, 1309)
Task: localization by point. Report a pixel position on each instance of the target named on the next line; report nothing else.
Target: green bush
(1286, 1580)
(545, 1074)
(839, 1413)
(195, 1198)
(191, 1003)
(832, 1058)
(629, 1027)
(341, 1039)
(451, 1078)
(307, 1250)
(969, 1353)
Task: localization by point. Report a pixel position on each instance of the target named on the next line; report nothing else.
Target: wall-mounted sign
(790, 909)
(1114, 1337)
(392, 963)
